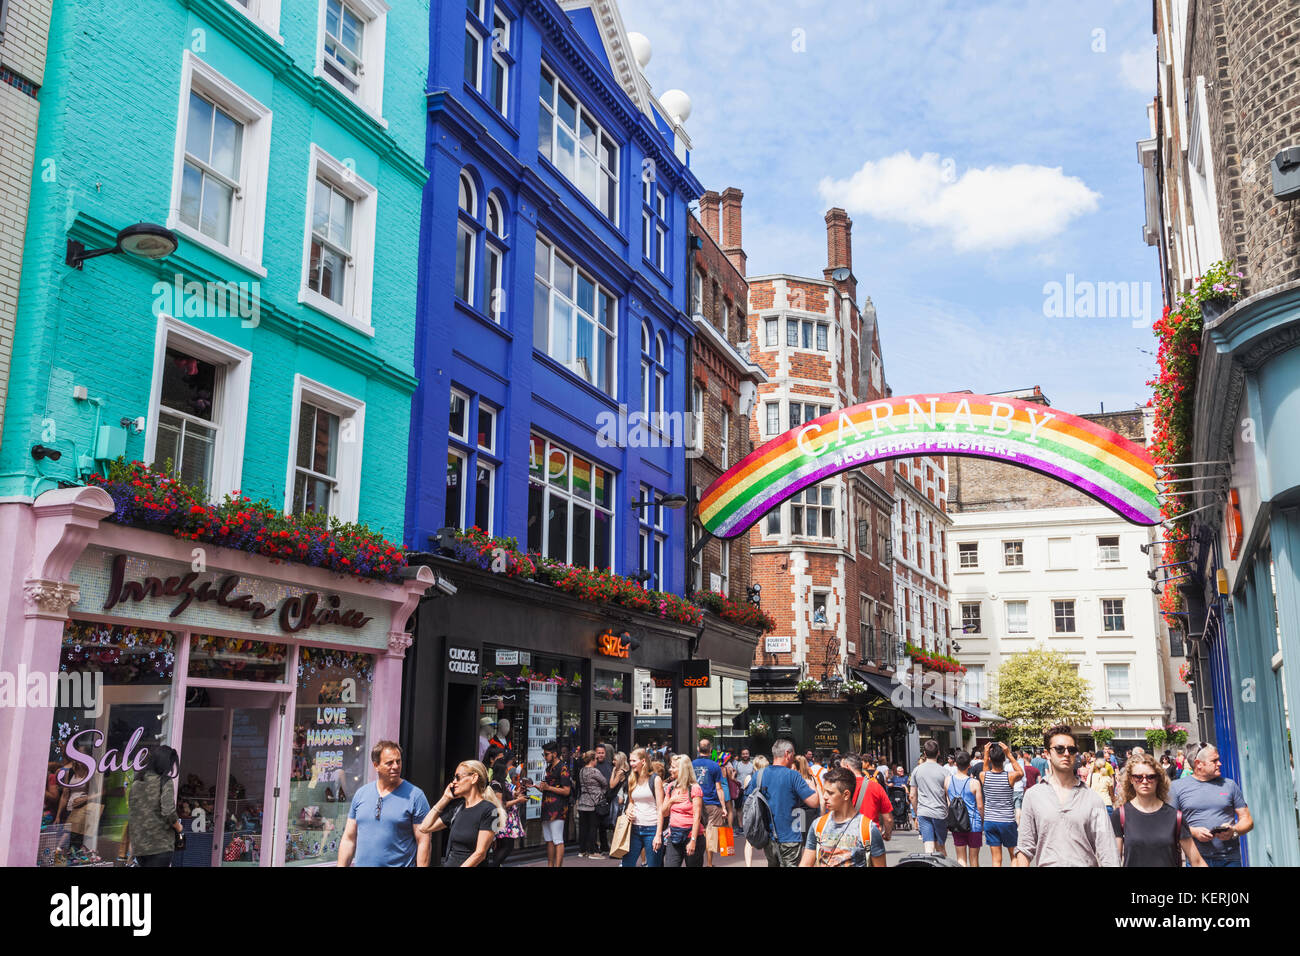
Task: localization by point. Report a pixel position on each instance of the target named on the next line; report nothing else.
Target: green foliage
(1101, 736)
(1038, 689)
(1156, 737)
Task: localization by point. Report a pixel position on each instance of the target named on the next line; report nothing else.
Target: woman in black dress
(471, 812)
(1148, 830)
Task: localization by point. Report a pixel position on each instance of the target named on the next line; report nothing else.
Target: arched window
(480, 238)
(647, 369)
(661, 381)
(467, 198)
(466, 240)
(494, 258)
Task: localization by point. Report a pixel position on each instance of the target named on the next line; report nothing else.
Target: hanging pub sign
(695, 673)
(610, 644)
(1117, 472)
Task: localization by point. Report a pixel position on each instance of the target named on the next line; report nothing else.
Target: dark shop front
(523, 663)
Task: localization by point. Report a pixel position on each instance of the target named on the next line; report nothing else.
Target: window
(654, 225)
(973, 689)
(668, 698)
(1017, 617)
(223, 141)
(654, 376)
(968, 555)
(725, 313)
(697, 417)
(350, 55)
(198, 406)
(1176, 643)
(866, 632)
(647, 695)
(864, 537)
(338, 250)
(487, 53)
(697, 293)
(970, 617)
(1117, 686)
(494, 255)
(821, 611)
(1182, 709)
(653, 538)
(1112, 614)
(884, 551)
(802, 334)
(801, 414)
(724, 567)
(774, 521)
(326, 442)
(697, 561)
(1108, 550)
(812, 511)
(1013, 554)
(1063, 617)
(570, 137)
(472, 462)
(1060, 553)
(575, 320)
(792, 333)
(570, 506)
(265, 13)
(724, 440)
(770, 333)
(773, 417)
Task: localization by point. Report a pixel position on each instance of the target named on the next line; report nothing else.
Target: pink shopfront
(272, 680)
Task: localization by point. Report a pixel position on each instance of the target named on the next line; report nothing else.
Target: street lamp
(144, 240)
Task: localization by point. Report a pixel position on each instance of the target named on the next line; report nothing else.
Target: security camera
(445, 586)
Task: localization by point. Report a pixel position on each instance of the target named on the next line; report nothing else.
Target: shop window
(231, 658)
(611, 685)
(127, 672)
(330, 756)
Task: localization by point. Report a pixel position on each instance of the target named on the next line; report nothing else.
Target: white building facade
(1073, 579)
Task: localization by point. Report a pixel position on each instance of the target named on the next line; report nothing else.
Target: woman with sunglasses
(471, 812)
(1148, 830)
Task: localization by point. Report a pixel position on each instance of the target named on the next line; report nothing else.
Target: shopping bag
(622, 840)
(726, 841)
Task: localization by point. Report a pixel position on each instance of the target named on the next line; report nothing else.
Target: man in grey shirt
(744, 768)
(930, 799)
(1064, 823)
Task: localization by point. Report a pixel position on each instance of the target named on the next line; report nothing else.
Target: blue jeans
(643, 838)
(1235, 862)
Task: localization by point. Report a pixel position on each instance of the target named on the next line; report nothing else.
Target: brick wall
(22, 63)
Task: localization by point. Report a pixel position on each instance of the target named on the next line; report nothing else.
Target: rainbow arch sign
(1112, 469)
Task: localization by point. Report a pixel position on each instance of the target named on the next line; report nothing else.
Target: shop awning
(970, 712)
(924, 716)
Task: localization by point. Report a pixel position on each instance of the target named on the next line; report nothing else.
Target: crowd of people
(1048, 806)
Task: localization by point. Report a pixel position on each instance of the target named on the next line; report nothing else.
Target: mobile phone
(1222, 828)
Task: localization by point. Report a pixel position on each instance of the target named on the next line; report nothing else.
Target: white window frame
(772, 410)
(232, 397)
(1073, 615)
(961, 556)
(358, 288)
(1123, 614)
(1125, 698)
(724, 440)
(979, 616)
(697, 416)
(370, 93)
(697, 292)
(1007, 616)
(264, 13)
(1018, 554)
(345, 505)
(1103, 550)
(724, 567)
(1067, 560)
(771, 332)
(601, 132)
(248, 213)
(612, 329)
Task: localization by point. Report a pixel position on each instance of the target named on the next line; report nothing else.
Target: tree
(1038, 689)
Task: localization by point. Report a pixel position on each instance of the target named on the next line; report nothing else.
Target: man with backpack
(773, 821)
(869, 797)
(930, 798)
(843, 835)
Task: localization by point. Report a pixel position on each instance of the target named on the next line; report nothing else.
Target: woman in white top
(645, 794)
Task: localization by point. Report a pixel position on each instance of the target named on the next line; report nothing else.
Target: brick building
(1222, 179)
(823, 558)
(24, 27)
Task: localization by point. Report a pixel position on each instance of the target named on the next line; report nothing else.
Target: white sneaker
(582, 856)
(598, 856)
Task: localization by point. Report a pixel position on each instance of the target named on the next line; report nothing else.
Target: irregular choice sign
(1103, 464)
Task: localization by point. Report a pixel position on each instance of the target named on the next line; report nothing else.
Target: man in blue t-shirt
(786, 793)
(1214, 809)
(384, 820)
(709, 776)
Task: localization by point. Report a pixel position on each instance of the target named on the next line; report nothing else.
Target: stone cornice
(1239, 342)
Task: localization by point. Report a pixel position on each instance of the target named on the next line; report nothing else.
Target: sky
(985, 151)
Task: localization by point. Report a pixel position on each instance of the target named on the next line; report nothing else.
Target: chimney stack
(709, 215)
(732, 246)
(839, 248)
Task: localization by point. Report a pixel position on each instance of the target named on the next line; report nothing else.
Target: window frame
(601, 133)
(612, 330)
(263, 13)
(369, 95)
(963, 607)
(345, 504)
(232, 397)
(1103, 550)
(548, 487)
(1107, 616)
(1017, 550)
(475, 455)
(1007, 617)
(799, 528)
(1061, 615)
(248, 211)
(652, 538)
(1109, 667)
(355, 311)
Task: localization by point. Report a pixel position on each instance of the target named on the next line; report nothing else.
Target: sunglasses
(1066, 750)
(461, 776)
(1143, 777)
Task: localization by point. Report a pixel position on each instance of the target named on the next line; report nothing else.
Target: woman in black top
(1148, 830)
(471, 812)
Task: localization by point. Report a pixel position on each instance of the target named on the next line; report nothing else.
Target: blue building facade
(553, 308)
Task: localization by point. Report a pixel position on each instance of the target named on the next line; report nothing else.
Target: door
(230, 751)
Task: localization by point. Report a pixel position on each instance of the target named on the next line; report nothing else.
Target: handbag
(621, 842)
(726, 841)
(234, 850)
(958, 816)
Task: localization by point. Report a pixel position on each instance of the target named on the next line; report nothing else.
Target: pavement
(901, 844)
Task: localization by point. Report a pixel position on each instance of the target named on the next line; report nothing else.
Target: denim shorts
(933, 829)
(1001, 834)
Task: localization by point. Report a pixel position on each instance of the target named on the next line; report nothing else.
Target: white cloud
(1138, 70)
(996, 207)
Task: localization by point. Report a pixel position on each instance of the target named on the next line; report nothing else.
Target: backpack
(958, 816)
(865, 825)
(756, 819)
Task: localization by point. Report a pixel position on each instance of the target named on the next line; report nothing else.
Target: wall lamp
(40, 451)
(144, 240)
